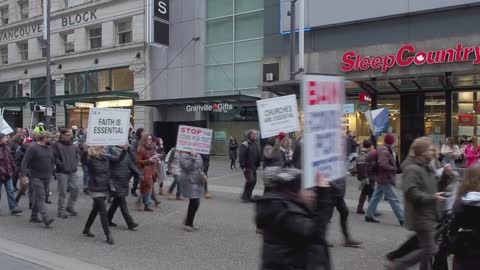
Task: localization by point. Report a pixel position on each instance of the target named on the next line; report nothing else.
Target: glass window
(23, 7)
(4, 15)
(219, 8)
(69, 42)
(38, 87)
(124, 32)
(122, 79)
(220, 77)
(249, 25)
(75, 83)
(95, 35)
(10, 89)
(4, 55)
(220, 54)
(71, 3)
(23, 50)
(43, 47)
(248, 75)
(248, 5)
(220, 30)
(249, 50)
(98, 81)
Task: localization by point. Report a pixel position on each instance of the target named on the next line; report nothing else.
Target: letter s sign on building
(158, 26)
(162, 9)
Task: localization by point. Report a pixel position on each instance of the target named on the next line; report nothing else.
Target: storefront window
(10, 89)
(465, 115)
(39, 87)
(435, 118)
(122, 80)
(75, 83)
(99, 81)
(78, 117)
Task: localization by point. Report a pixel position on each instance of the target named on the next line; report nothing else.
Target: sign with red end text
(194, 139)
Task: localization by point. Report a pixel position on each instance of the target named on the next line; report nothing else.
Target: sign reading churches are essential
(37, 28)
(159, 26)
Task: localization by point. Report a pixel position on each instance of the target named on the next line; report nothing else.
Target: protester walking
(287, 152)
(364, 175)
(147, 160)
(272, 152)
(192, 182)
(232, 152)
(352, 148)
(465, 228)
(133, 148)
(99, 187)
(15, 143)
(122, 168)
(294, 222)
(66, 164)
(19, 155)
(249, 163)
(421, 205)
(385, 165)
(206, 166)
(161, 174)
(450, 152)
(7, 172)
(472, 152)
(38, 166)
(173, 163)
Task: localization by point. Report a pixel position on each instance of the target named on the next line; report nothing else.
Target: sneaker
(48, 222)
(16, 212)
(133, 227)
(360, 211)
(111, 224)
(35, 220)
(134, 193)
(370, 219)
(352, 243)
(189, 228)
(62, 215)
(72, 212)
(147, 209)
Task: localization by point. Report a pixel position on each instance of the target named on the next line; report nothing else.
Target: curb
(44, 258)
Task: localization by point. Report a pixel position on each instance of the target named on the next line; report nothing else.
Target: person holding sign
(147, 160)
(192, 182)
(249, 162)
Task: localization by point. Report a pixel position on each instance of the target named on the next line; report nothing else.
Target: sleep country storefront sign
(408, 55)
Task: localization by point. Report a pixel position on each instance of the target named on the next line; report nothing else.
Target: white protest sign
(323, 105)
(277, 115)
(194, 139)
(108, 126)
(4, 126)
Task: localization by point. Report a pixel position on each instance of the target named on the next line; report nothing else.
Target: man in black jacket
(66, 163)
(38, 164)
(249, 162)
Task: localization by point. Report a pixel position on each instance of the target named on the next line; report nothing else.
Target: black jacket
(38, 162)
(249, 155)
(98, 172)
(293, 234)
(121, 169)
(66, 157)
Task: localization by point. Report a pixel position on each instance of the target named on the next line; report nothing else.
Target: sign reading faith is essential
(323, 105)
(108, 126)
(278, 115)
(4, 126)
(194, 139)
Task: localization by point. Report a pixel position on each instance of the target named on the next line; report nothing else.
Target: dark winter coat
(7, 163)
(297, 155)
(19, 154)
(273, 156)
(233, 147)
(351, 146)
(98, 172)
(249, 155)
(38, 162)
(293, 234)
(191, 179)
(121, 169)
(419, 187)
(386, 165)
(66, 157)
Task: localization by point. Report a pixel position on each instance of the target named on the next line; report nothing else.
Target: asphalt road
(226, 240)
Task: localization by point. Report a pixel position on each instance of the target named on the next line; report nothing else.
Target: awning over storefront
(231, 99)
(282, 88)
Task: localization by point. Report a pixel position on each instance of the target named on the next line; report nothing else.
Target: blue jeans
(390, 196)
(145, 198)
(85, 177)
(12, 203)
(175, 183)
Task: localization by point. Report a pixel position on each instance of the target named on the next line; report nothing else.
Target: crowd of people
(292, 221)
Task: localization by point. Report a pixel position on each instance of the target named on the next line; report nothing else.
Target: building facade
(418, 59)
(98, 58)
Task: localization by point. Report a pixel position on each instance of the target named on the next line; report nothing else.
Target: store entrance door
(412, 124)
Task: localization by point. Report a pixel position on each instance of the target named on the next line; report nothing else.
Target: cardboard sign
(4, 126)
(194, 139)
(277, 115)
(323, 140)
(108, 126)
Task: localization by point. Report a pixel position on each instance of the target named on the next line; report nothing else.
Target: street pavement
(226, 239)
(11, 263)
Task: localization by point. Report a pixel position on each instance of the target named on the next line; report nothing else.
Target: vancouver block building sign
(408, 55)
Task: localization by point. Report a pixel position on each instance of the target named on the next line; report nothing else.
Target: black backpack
(362, 166)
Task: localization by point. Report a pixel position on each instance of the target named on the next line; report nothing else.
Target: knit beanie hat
(389, 139)
(420, 146)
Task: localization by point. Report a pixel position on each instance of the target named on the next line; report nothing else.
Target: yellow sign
(84, 105)
(115, 103)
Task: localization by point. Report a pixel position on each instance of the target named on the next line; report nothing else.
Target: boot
(48, 222)
(147, 209)
(110, 239)
(88, 233)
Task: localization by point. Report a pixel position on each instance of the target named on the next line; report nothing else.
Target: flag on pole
(378, 120)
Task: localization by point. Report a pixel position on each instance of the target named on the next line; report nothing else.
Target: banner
(4, 126)
(107, 126)
(378, 120)
(323, 140)
(277, 115)
(194, 139)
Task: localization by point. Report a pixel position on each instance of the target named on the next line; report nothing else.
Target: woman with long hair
(287, 152)
(232, 152)
(472, 153)
(147, 160)
(466, 224)
(99, 187)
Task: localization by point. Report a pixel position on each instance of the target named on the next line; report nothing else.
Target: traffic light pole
(46, 37)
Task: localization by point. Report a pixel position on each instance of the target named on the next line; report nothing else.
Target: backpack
(362, 168)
